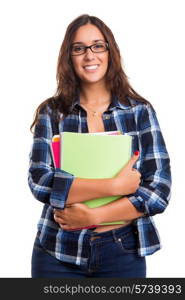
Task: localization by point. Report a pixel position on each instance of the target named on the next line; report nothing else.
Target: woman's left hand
(75, 216)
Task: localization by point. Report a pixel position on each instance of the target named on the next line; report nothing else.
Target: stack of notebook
(92, 155)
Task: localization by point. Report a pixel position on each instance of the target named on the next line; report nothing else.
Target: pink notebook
(55, 149)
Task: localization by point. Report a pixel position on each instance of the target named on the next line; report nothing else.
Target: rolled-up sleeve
(153, 195)
(47, 184)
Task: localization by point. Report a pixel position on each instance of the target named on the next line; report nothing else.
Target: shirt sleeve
(153, 194)
(47, 184)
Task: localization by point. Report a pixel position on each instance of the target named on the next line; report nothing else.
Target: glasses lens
(76, 50)
(99, 47)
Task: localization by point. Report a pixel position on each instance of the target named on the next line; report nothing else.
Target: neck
(94, 95)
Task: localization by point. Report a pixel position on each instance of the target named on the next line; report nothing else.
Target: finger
(63, 226)
(57, 210)
(133, 159)
(59, 213)
(70, 205)
(58, 219)
(136, 171)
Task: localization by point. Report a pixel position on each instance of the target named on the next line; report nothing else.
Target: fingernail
(136, 153)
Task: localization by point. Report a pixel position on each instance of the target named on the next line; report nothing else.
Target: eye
(99, 46)
(77, 49)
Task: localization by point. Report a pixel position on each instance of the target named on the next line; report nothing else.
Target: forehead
(88, 33)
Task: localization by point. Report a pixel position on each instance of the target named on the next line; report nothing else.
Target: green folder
(95, 156)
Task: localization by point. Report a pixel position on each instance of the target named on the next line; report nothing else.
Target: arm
(121, 209)
(47, 184)
(86, 189)
(124, 183)
(153, 194)
(79, 215)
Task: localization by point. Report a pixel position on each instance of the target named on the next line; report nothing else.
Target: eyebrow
(94, 41)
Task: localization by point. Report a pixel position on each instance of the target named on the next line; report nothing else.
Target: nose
(89, 54)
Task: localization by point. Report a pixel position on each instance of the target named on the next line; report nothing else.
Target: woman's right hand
(128, 179)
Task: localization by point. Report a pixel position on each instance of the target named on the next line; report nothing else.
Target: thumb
(133, 159)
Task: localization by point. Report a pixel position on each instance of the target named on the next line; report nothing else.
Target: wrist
(116, 187)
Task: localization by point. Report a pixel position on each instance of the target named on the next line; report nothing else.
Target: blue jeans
(112, 254)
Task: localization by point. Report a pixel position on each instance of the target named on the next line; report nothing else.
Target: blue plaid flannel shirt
(51, 186)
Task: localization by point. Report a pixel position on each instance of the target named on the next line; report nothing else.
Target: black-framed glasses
(98, 47)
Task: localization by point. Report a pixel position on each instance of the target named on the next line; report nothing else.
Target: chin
(93, 80)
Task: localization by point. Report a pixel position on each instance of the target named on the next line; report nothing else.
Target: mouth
(91, 67)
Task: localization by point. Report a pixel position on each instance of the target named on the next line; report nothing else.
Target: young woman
(94, 95)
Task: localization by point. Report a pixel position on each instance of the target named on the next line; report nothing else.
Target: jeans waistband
(114, 233)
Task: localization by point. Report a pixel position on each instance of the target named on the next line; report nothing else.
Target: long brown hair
(68, 84)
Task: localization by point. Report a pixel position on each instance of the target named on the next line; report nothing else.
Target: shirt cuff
(138, 202)
(61, 185)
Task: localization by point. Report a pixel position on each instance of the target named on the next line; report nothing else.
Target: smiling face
(90, 67)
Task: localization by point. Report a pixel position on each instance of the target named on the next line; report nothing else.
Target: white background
(150, 35)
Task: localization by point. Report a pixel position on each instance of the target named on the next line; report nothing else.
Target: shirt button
(119, 240)
(107, 117)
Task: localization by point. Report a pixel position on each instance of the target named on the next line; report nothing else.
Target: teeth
(91, 67)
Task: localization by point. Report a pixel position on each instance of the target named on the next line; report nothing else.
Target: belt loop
(114, 235)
